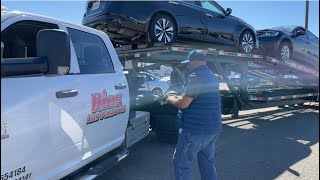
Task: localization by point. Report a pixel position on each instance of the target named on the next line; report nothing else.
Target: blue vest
(203, 116)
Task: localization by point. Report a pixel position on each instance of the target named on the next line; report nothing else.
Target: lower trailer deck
(281, 82)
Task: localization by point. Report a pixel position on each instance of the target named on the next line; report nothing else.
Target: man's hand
(171, 98)
(180, 102)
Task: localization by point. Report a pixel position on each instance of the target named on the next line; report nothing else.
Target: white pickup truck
(64, 99)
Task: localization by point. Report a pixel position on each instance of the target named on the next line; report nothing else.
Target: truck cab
(64, 97)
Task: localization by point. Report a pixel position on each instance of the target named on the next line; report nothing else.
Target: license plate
(95, 5)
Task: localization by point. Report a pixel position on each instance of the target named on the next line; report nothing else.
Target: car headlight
(269, 34)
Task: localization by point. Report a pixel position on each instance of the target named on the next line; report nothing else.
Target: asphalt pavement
(261, 144)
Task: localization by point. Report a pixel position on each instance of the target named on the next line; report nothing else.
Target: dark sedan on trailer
(290, 42)
(136, 22)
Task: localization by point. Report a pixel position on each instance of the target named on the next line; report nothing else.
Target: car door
(190, 18)
(220, 27)
(45, 130)
(313, 48)
(104, 89)
(300, 46)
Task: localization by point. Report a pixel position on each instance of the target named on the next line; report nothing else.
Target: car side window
(313, 38)
(20, 39)
(150, 78)
(210, 6)
(92, 54)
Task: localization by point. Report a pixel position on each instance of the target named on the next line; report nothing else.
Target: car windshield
(285, 28)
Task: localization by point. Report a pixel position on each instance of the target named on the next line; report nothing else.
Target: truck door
(103, 87)
(43, 129)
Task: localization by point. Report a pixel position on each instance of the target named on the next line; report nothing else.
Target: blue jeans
(188, 147)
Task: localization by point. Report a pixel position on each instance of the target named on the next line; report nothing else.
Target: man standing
(199, 119)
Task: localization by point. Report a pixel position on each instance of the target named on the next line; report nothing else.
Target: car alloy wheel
(157, 92)
(247, 43)
(164, 30)
(285, 52)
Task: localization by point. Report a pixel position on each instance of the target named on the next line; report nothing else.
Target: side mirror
(300, 32)
(228, 11)
(54, 45)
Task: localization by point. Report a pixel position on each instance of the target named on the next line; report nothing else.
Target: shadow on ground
(259, 145)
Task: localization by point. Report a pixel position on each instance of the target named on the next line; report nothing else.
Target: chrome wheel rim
(163, 30)
(247, 43)
(157, 92)
(285, 52)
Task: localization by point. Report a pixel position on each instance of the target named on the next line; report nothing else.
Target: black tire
(166, 128)
(284, 45)
(245, 36)
(154, 29)
(282, 106)
(155, 90)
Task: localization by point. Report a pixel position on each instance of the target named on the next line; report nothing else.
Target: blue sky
(260, 14)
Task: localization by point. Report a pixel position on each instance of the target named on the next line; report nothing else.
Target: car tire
(157, 91)
(162, 29)
(284, 51)
(247, 42)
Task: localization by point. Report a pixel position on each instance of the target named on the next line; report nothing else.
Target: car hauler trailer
(278, 83)
(74, 139)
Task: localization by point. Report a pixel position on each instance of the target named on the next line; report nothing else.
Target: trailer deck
(291, 82)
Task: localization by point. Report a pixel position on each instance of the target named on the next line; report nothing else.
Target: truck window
(20, 39)
(92, 54)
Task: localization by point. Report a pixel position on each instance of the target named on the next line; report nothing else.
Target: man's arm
(180, 102)
(190, 92)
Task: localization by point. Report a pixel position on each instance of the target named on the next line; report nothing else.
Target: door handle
(66, 94)
(120, 86)
(209, 15)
